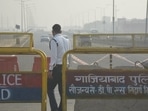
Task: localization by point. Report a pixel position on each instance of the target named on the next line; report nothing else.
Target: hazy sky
(68, 12)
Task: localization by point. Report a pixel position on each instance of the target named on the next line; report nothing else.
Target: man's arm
(53, 52)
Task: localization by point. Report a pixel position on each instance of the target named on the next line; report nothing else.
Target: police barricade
(106, 70)
(18, 83)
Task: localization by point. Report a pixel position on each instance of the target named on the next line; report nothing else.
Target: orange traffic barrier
(8, 64)
(37, 64)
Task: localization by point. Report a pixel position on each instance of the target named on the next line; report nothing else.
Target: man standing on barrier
(58, 46)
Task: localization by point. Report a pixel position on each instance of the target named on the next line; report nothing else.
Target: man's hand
(50, 74)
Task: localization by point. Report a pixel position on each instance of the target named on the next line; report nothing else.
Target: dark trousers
(56, 80)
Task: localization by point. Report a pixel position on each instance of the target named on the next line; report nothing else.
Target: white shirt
(58, 48)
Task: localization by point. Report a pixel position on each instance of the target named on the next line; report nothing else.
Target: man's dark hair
(56, 28)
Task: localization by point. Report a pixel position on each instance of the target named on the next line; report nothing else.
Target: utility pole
(146, 21)
(146, 18)
(113, 17)
(22, 25)
(2, 21)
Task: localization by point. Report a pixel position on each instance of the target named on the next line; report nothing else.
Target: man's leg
(60, 92)
(51, 86)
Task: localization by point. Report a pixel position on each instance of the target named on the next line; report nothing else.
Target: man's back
(63, 43)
